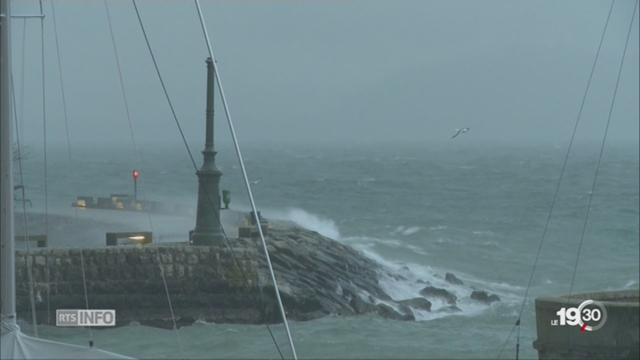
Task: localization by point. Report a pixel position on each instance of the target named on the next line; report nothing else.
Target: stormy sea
(477, 211)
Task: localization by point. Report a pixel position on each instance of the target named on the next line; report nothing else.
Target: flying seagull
(459, 132)
(256, 181)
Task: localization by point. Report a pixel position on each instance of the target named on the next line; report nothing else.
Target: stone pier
(203, 282)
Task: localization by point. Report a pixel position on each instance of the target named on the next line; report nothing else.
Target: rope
(193, 162)
(24, 216)
(138, 160)
(44, 146)
(164, 87)
(86, 295)
(121, 80)
(24, 41)
(44, 124)
(62, 93)
(246, 178)
(246, 280)
(602, 145)
(68, 138)
(557, 187)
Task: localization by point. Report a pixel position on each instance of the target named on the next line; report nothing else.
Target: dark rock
(388, 312)
(417, 303)
(434, 292)
(406, 311)
(396, 277)
(452, 279)
(360, 306)
(484, 297)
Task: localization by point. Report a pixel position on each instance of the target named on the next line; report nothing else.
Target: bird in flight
(256, 181)
(460, 132)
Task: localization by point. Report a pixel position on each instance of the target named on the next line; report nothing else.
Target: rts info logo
(78, 317)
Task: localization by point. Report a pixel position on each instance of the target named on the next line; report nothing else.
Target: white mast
(7, 240)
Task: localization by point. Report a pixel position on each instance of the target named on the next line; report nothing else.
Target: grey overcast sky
(338, 71)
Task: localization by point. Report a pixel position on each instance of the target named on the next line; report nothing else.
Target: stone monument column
(208, 229)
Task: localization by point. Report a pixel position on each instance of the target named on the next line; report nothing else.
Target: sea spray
(317, 223)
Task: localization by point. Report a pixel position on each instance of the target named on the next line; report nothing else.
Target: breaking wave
(404, 280)
(324, 226)
(406, 231)
(415, 277)
(366, 242)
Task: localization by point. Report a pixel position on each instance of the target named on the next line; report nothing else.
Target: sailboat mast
(7, 240)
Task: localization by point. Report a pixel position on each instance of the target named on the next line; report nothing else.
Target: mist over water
(474, 210)
(345, 112)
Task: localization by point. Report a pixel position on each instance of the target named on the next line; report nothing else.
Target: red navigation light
(136, 174)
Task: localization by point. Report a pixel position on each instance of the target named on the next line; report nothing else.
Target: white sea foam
(414, 277)
(406, 230)
(483, 233)
(405, 280)
(324, 226)
(369, 242)
(443, 240)
(398, 230)
(411, 230)
(438, 227)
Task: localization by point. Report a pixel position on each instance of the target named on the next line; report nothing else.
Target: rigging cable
(68, 138)
(557, 190)
(44, 149)
(138, 160)
(62, 93)
(44, 123)
(28, 264)
(24, 41)
(121, 80)
(164, 87)
(193, 162)
(246, 178)
(246, 281)
(602, 145)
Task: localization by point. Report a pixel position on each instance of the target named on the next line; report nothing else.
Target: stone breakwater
(317, 276)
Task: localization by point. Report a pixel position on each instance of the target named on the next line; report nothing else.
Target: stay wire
(62, 92)
(559, 182)
(246, 179)
(29, 265)
(23, 48)
(121, 79)
(602, 147)
(68, 139)
(138, 160)
(260, 291)
(44, 122)
(162, 84)
(193, 162)
(44, 143)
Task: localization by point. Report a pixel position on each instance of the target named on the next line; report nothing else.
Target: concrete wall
(204, 282)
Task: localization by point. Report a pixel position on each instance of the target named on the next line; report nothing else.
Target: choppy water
(477, 211)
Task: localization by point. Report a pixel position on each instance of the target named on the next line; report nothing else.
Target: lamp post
(208, 230)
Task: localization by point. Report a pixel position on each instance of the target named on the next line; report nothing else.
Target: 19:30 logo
(589, 316)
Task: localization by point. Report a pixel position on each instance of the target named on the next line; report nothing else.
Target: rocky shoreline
(317, 277)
